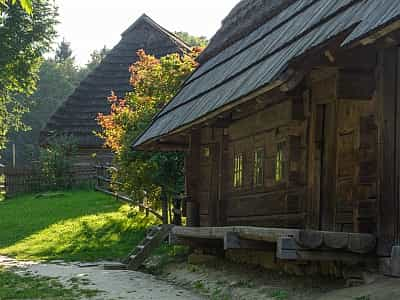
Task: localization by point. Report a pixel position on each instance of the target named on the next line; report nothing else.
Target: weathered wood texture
(388, 216)
(232, 235)
(30, 180)
(334, 136)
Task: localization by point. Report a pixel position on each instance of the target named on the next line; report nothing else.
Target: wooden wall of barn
(329, 131)
(85, 160)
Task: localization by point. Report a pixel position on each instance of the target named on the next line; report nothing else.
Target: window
(258, 178)
(238, 170)
(279, 162)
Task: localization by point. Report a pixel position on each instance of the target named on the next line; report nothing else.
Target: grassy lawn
(13, 286)
(71, 226)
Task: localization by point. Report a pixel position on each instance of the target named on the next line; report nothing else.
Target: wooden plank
(356, 85)
(328, 200)
(310, 239)
(213, 200)
(232, 240)
(147, 246)
(361, 243)
(245, 232)
(192, 173)
(278, 219)
(353, 242)
(387, 98)
(336, 240)
(288, 249)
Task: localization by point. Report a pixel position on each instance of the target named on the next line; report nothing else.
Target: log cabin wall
(318, 150)
(389, 163)
(85, 160)
(270, 194)
(343, 146)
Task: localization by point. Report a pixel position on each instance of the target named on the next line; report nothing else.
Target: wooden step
(147, 246)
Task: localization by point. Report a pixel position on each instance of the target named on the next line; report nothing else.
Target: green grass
(279, 294)
(16, 287)
(71, 226)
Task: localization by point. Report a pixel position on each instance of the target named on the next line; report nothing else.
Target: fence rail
(105, 185)
(30, 180)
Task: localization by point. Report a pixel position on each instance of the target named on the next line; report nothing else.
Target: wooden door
(209, 184)
(324, 149)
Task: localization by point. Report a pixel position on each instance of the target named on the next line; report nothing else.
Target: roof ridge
(144, 17)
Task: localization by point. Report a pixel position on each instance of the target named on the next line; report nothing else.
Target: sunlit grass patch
(75, 226)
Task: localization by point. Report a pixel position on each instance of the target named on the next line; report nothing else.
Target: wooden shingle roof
(77, 115)
(260, 60)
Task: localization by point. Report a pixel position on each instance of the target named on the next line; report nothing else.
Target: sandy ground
(225, 281)
(383, 289)
(116, 284)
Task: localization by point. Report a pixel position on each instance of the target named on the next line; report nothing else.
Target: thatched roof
(77, 116)
(244, 18)
(259, 60)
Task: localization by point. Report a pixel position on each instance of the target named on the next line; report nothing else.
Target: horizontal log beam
(308, 239)
(232, 240)
(288, 249)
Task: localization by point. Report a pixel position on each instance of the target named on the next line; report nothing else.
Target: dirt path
(116, 284)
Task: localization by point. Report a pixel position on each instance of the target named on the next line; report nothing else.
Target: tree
(25, 4)
(56, 82)
(63, 52)
(24, 38)
(96, 57)
(155, 81)
(191, 40)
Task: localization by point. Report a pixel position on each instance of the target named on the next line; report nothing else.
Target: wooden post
(192, 177)
(387, 100)
(164, 200)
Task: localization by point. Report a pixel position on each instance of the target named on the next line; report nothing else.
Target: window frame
(258, 166)
(280, 162)
(238, 164)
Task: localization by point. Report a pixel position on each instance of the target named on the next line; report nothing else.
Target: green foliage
(155, 81)
(16, 287)
(76, 226)
(63, 52)
(191, 40)
(96, 58)
(56, 161)
(363, 298)
(24, 38)
(279, 294)
(25, 4)
(57, 80)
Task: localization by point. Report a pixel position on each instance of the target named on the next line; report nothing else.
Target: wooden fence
(30, 180)
(105, 184)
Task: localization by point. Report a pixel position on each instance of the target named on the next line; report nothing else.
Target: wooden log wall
(328, 130)
(85, 160)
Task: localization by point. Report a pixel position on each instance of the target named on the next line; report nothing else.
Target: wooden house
(292, 131)
(77, 116)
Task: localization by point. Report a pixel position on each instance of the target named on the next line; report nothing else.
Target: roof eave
(148, 144)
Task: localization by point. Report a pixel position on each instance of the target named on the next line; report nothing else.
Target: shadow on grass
(82, 226)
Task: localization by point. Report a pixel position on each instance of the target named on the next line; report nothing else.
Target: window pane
(279, 162)
(238, 170)
(258, 177)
